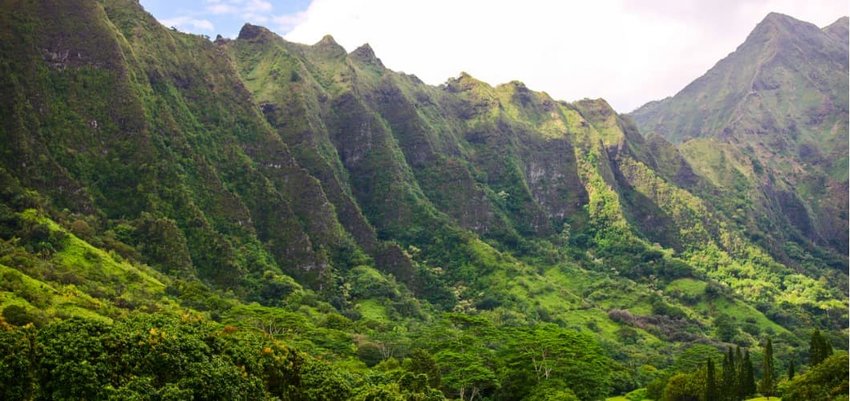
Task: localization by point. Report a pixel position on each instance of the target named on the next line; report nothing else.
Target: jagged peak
(464, 82)
(220, 40)
(468, 78)
(516, 84)
(776, 17)
(329, 47)
(839, 29)
(253, 32)
(782, 33)
(365, 48)
(597, 104)
(775, 23)
(845, 21)
(515, 87)
(366, 55)
(327, 40)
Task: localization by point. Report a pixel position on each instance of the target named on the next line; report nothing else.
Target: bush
(370, 354)
(824, 382)
(367, 282)
(20, 316)
(637, 395)
(682, 387)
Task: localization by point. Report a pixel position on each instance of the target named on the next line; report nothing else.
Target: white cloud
(252, 10)
(188, 23)
(222, 8)
(626, 51)
(258, 6)
(285, 23)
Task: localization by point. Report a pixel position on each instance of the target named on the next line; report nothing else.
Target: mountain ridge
(795, 134)
(314, 196)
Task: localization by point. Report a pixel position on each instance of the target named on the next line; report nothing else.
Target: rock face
(779, 105)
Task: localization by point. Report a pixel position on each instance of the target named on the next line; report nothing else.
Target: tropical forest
(249, 218)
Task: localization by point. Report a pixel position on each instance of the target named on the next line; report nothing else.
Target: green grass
(740, 312)
(688, 286)
(49, 300)
(372, 309)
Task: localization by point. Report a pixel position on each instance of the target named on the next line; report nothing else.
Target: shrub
(20, 316)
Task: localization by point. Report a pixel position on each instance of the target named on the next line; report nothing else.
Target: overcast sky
(626, 51)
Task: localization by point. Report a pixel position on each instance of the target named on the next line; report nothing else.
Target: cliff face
(417, 164)
(111, 115)
(240, 162)
(778, 107)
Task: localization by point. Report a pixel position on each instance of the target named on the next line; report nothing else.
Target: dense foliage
(251, 218)
(159, 357)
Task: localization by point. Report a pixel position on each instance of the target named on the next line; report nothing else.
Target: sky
(628, 52)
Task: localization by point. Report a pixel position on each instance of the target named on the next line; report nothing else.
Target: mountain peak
(252, 32)
(779, 18)
(780, 34)
(366, 55)
(464, 82)
(329, 47)
(841, 21)
(840, 29)
(327, 40)
(774, 24)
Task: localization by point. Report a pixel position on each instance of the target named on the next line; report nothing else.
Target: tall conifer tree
(728, 392)
(740, 392)
(749, 375)
(710, 382)
(819, 348)
(768, 380)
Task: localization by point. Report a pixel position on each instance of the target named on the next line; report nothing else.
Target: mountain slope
(366, 213)
(777, 107)
(513, 166)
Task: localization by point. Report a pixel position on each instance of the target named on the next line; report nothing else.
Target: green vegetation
(767, 384)
(826, 381)
(819, 349)
(256, 219)
(773, 157)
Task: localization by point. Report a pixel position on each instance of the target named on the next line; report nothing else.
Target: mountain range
(347, 210)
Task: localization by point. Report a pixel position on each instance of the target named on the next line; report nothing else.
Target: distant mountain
(771, 120)
(368, 219)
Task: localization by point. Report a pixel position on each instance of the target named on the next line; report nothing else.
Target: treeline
(165, 357)
(733, 380)
(160, 357)
(826, 378)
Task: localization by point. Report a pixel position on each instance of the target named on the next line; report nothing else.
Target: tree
(749, 375)
(682, 387)
(16, 364)
(791, 371)
(740, 376)
(549, 352)
(466, 374)
(725, 326)
(551, 390)
(825, 382)
(819, 348)
(728, 391)
(422, 362)
(767, 381)
(710, 382)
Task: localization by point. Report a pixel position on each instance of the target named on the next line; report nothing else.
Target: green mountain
(770, 121)
(286, 221)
